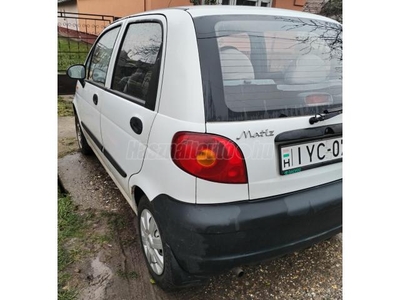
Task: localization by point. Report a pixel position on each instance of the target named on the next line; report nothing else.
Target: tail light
(208, 156)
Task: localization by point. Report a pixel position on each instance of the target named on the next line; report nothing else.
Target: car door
(128, 110)
(89, 95)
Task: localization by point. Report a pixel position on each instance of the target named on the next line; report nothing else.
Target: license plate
(295, 158)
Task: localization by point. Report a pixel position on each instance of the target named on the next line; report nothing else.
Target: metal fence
(76, 34)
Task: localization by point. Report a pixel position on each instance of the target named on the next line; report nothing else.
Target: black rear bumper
(206, 239)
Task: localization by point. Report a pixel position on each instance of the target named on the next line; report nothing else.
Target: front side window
(137, 68)
(100, 57)
(261, 67)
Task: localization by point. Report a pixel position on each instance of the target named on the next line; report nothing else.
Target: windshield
(262, 67)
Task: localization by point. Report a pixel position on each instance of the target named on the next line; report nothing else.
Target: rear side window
(138, 63)
(260, 67)
(101, 56)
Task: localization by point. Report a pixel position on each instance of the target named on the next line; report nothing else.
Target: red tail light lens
(208, 156)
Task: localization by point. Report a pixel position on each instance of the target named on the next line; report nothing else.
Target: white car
(222, 128)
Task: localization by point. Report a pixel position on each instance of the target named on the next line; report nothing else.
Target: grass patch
(64, 260)
(67, 295)
(70, 225)
(118, 224)
(101, 239)
(68, 141)
(127, 275)
(67, 146)
(115, 221)
(81, 234)
(71, 52)
(65, 108)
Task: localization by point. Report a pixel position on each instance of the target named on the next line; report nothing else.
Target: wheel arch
(137, 194)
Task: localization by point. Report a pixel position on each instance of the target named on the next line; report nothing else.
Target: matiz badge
(262, 133)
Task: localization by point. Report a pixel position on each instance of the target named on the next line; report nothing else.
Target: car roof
(203, 10)
(212, 10)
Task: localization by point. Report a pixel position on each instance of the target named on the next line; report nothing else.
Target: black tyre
(82, 142)
(160, 261)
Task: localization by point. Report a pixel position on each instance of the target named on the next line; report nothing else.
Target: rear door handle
(95, 99)
(136, 125)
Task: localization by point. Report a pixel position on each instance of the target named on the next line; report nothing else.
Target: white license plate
(295, 158)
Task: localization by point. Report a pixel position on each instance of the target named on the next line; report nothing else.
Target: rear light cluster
(208, 156)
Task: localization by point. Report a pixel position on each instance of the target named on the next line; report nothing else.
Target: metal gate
(76, 34)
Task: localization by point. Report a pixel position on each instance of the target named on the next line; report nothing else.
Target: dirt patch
(67, 142)
(88, 183)
(100, 278)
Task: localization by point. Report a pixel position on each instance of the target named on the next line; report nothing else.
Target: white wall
(64, 22)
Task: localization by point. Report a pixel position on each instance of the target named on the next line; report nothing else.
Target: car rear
(264, 77)
(268, 181)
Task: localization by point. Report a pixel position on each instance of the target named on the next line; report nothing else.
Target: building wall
(289, 4)
(118, 8)
(122, 8)
(156, 4)
(67, 22)
(68, 6)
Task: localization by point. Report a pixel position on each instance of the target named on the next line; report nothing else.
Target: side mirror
(77, 72)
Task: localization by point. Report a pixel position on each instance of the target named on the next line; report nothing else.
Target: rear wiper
(327, 114)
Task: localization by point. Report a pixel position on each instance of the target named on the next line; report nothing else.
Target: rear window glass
(258, 67)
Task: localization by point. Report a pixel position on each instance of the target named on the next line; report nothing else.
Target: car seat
(235, 65)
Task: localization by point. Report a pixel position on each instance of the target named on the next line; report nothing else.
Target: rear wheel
(82, 142)
(151, 242)
(160, 261)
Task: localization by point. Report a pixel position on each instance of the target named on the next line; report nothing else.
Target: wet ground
(115, 268)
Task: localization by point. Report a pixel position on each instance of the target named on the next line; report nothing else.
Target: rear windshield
(262, 67)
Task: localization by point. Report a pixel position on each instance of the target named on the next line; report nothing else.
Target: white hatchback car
(222, 128)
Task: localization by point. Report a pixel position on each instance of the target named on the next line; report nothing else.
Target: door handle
(136, 125)
(95, 99)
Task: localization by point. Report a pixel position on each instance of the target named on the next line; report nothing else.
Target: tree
(331, 33)
(333, 9)
(328, 8)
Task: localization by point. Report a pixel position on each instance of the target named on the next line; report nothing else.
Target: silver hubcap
(151, 241)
